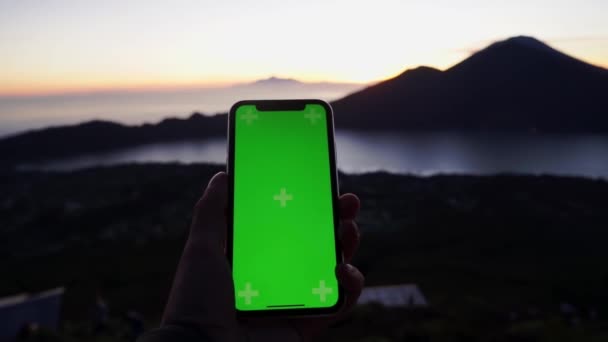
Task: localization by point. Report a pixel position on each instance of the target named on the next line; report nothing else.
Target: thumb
(209, 219)
(202, 295)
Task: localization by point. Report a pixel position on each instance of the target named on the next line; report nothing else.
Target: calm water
(423, 154)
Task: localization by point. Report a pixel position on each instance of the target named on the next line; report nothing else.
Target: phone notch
(273, 106)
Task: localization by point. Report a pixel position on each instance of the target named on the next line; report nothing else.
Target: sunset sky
(51, 46)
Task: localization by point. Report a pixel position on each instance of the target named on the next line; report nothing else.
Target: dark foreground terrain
(495, 256)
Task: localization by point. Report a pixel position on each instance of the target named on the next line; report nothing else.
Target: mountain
(519, 84)
(276, 81)
(516, 85)
(101, 136)
(278, 84)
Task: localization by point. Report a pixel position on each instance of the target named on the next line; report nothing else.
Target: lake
(420, 153)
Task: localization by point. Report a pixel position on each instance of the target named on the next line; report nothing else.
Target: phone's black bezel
(286, 105)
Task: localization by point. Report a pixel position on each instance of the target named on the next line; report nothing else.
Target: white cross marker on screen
(249, 116)
(283, 197)
(248, 293)
(322, 291)
(313, 116)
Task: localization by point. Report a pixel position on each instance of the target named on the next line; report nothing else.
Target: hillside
(478, 247)
(519, 84)
(100, 136)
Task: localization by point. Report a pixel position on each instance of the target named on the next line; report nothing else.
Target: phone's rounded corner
(316, 101)
(327, 310)
(339, 304)
(236, 105)
(322, 103)
(240, 313)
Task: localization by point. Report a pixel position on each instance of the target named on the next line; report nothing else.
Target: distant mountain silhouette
(277, 81)
(519, 84)
(291, 82)
(101, 136)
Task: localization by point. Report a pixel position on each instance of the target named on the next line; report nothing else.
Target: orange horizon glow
(90, 86)
(67, 47)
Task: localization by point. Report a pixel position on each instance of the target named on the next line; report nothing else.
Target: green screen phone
(282, 216)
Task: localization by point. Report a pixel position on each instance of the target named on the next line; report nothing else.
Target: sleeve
(172, 334)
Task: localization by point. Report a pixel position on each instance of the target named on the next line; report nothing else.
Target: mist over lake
(415, 153)
(19, 113)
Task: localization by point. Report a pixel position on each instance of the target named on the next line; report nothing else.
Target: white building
(404, 295)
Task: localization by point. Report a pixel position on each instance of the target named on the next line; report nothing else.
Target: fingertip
(352, 282)
(342, 270)
(218, 181)
(350, 278)
(215, 196)
(349, 206)
(217, 188)
(208, 229)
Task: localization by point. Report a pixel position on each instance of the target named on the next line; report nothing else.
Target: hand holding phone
(202, 298)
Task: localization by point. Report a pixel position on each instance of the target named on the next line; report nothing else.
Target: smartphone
(283, 208)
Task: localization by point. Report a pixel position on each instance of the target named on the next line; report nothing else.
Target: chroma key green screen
(284, 248)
